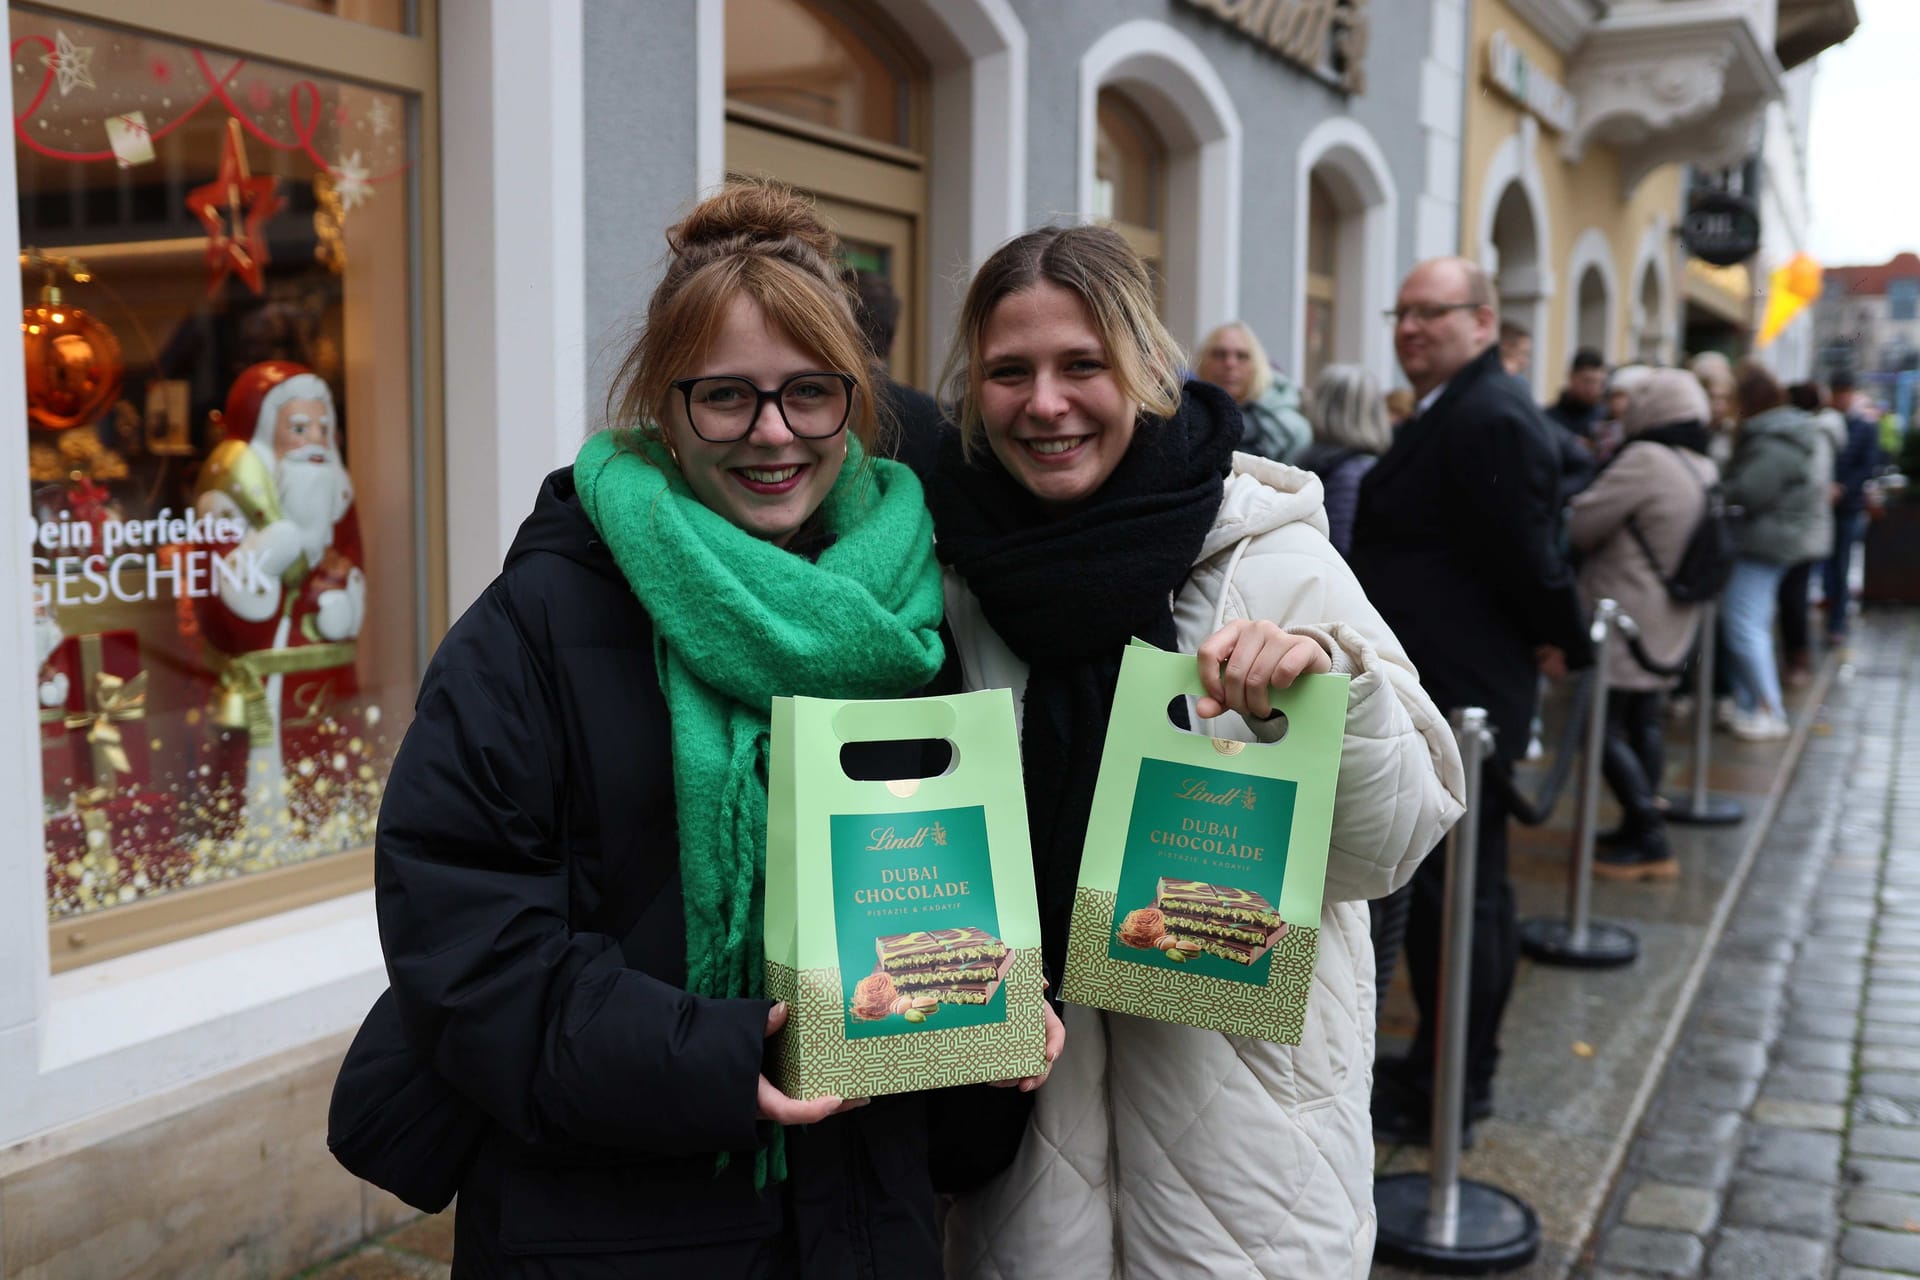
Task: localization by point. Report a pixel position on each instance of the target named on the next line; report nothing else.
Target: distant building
(1868, 318)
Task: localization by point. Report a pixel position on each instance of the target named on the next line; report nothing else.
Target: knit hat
(1664, 398)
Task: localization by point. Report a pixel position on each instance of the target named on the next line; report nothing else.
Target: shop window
(817, 64)
(223, 343)
(1129, 177)
(1323, 239)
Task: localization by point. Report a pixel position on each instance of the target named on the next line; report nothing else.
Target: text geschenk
(90, 576)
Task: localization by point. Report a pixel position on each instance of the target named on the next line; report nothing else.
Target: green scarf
(739, 621)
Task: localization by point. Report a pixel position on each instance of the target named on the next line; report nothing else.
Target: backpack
(1706, 562)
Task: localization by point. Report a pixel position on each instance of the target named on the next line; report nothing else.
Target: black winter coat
(528, 887)
(1455, 543)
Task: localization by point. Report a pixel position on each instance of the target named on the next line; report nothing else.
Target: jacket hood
(1834, 424)
(1262, 495)
(557, 526)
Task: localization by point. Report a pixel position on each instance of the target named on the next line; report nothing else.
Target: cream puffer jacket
(1162, 1151)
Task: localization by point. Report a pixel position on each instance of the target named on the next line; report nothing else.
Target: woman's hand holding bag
(1241, 661)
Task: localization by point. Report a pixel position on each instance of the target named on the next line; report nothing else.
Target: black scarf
(1066, 589)
(1679, 435)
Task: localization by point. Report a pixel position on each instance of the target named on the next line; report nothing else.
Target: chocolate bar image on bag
(955, 966)
(930, 948)
(1216, 902)
(1220, 920)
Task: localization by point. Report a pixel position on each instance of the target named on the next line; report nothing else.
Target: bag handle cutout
(1177, 706)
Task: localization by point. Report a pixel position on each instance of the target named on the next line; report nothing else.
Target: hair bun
(753, 215)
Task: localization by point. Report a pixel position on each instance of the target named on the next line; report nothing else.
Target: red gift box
(112, 849)
(99, 738)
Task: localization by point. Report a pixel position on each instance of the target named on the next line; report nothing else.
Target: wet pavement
(1585, 1098)
(1784, 1141)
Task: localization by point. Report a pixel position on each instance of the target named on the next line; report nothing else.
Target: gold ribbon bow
(115, 698)
(241, 700)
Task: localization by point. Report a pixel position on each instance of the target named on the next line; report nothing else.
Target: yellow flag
(1789, 291)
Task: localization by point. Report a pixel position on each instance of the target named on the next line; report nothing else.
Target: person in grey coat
(1350, 433)
(1632, 525)
(1778, 478)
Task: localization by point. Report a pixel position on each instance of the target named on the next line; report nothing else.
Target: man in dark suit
(1454, 542)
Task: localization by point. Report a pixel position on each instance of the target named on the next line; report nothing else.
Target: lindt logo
(886, 838)
(1196, 789)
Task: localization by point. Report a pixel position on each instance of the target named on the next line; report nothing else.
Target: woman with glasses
(1091, 496)
(571, 853)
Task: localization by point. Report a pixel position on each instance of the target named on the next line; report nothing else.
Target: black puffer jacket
(529, 900)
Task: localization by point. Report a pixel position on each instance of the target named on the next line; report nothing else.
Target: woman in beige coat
(1632, 524)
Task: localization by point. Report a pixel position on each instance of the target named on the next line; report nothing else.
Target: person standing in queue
(1632, 526)
(569, 869)
(1092, 497)
(1455, 542)
(1274, 424)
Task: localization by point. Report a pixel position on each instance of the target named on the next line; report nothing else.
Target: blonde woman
(1091, 496)
(1232, 359)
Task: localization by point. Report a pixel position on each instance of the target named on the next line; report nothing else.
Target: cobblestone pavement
(1784, 1141)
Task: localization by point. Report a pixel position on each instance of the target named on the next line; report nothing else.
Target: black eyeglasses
(1428, 312)
(723, 409)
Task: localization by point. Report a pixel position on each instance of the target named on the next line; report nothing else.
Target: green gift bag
(1200, 883)
(901, 924)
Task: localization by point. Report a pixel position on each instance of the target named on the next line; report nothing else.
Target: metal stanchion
(1580, 940)
(1699, 809)
(1437, 1221)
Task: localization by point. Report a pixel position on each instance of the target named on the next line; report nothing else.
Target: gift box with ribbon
(98, 738)
(109, 849)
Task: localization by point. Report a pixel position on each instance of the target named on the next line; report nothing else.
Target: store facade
(1576, 155)
(265, 241)
(1578, 239)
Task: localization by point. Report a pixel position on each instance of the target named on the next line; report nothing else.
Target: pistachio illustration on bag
(901, 922)
(1201, 879)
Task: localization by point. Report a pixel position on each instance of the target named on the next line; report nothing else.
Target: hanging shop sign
(1721, 228)
(1327, 37)
(1514, 74)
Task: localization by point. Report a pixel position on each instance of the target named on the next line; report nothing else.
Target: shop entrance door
(875, 204)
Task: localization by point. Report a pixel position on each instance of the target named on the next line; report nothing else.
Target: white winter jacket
(1162, 1151)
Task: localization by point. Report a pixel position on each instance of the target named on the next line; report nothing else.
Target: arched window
(1130, 178)
(1322, 319)
(1519, 278)
(827, 96)
(1590, 325)
(1650, 343)
(810, 64)
(1147, 90)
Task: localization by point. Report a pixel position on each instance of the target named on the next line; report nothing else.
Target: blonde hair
(1262, 367)
(1349, 411)
(755, 239)
(1098, 267)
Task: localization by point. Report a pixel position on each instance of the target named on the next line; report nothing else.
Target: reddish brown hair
(757, 239)
(1756, 390)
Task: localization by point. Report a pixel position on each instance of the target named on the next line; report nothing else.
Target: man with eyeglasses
(1454, 542)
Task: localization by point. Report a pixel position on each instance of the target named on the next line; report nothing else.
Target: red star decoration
(161, 69)
(232, 207)
(340, 115)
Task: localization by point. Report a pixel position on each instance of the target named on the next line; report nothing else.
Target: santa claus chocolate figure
(290, 602)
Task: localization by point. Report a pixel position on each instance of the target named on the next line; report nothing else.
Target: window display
(219, 339)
